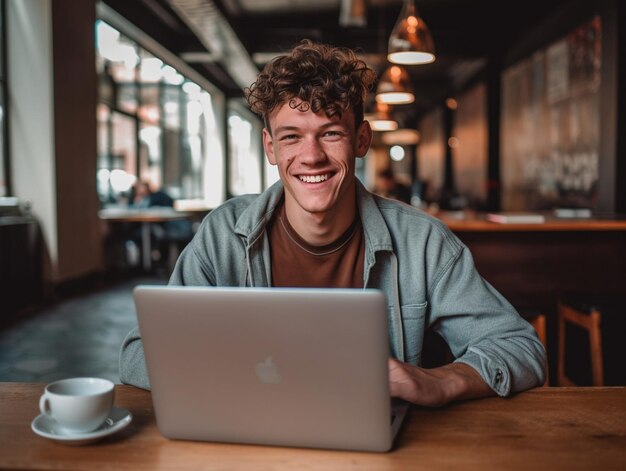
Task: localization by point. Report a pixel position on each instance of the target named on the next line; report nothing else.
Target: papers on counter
(571, 213)
(516, 218)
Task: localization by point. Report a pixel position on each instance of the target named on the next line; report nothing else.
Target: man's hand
(437, 386)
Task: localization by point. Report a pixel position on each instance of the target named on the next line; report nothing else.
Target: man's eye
(288, 137)
(332, 133)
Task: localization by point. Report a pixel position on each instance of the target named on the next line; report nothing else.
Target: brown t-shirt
(298, 264)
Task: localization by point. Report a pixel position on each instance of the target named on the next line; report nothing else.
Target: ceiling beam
(215, 33)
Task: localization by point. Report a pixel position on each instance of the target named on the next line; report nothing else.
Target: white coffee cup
(78, 405)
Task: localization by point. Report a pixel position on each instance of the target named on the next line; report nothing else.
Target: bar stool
(589, 321)
(538, 321)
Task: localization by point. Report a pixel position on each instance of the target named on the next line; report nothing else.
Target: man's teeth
(314, 179)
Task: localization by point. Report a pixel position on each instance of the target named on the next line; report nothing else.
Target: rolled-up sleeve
(483, 330)
(132, 367)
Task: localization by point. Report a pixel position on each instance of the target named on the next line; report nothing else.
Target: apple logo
(267, 371)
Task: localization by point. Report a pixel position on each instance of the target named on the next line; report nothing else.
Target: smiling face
(315, 155)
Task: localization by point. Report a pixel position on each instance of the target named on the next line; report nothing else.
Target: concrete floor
(80, 336)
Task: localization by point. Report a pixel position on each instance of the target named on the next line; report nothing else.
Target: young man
(319, 226)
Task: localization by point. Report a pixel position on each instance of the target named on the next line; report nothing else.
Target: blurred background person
(142, 196)
(388, 186)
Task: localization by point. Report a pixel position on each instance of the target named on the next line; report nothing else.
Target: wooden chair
(538, 321)
(589, 321)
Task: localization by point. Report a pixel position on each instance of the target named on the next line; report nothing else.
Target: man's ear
(363, 139)
(268, 146)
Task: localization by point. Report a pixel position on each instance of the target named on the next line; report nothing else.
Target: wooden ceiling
(467, 33)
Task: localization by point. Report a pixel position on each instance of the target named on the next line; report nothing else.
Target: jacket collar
(254, 218)
(374, 226)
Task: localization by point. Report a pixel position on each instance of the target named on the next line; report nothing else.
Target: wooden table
(547, 428)
(146, 217)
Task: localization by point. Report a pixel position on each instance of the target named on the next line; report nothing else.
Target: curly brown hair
(312, 76)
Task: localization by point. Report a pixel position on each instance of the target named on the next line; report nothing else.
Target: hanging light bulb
(394, 87)
(382, 120)
(410, 41)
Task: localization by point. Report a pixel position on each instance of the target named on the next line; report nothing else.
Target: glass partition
(155, 124)
(117, 153)
(244, 155)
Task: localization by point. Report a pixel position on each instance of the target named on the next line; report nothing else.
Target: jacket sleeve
(132, 362)
(483, 330)
(189, 270)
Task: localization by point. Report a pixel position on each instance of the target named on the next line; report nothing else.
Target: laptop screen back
(296, 367)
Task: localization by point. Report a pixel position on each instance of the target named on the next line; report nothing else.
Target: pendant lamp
(410, 41)
(382, 120)
(395, 87)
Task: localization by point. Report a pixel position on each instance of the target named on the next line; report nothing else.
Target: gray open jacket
(427, 275)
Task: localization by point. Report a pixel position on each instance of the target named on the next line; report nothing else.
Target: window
(244, 144)
(154, 124)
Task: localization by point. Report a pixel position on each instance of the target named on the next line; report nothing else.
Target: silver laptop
(270, 366)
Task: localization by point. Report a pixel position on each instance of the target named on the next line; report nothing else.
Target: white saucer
(47, 427)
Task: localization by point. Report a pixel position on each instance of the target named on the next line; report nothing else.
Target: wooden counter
(546, 428)
(477, 222)
(551, 225)
(534, 264)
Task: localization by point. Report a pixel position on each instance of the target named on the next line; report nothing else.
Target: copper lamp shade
(382, 120)
(410, 41)
(394, 87)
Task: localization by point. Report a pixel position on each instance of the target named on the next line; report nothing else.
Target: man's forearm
(436, 386)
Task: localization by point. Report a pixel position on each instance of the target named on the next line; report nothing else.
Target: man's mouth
(314, 178)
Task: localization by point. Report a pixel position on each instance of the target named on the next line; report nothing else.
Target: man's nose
(312, 151)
